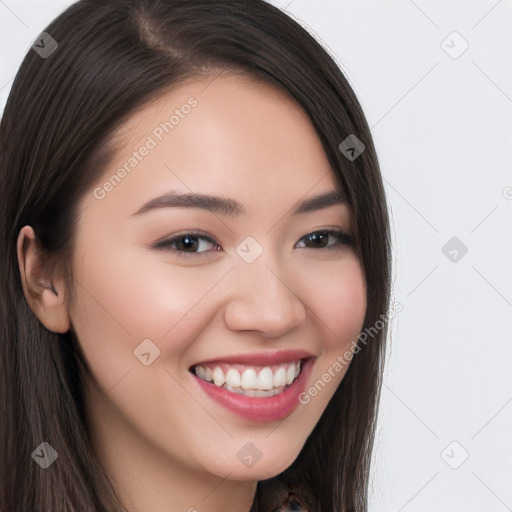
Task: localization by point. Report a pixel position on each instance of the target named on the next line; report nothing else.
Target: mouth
(260, 387)
(251, 380)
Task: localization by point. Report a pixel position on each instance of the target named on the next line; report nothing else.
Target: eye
(188, 243)
(191, 242)
(319, 239)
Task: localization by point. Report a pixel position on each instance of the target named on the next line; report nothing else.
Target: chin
(251, 464)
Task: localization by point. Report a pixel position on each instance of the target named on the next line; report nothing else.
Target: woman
(194, 234)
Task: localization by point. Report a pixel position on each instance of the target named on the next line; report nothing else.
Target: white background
(442, 127)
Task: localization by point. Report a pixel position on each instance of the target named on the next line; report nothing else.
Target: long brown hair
(112, 57)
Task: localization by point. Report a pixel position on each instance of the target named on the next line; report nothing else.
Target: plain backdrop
(435, 81)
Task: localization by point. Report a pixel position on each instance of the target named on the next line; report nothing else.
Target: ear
(44, 293)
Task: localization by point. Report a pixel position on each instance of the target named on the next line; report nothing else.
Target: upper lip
(260, 358)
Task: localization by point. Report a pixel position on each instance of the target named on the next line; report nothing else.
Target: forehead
(225, 134)
(223, 104)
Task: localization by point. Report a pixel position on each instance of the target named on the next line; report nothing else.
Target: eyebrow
(232, 208)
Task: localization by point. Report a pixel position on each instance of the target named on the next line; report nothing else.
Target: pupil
(189, 242)
(317, 237)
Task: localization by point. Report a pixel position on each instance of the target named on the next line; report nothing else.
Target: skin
(165, 444)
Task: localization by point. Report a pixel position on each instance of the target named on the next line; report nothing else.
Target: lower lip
(260, 409)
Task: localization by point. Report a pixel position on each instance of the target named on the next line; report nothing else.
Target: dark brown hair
(114, 56)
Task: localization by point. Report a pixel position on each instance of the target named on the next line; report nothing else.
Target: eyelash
(343, 239)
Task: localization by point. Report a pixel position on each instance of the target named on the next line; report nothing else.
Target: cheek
(139, 297)
(123, 301)
(338, 299)
(339, 307)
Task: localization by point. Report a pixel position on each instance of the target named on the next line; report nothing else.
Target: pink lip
(260, 409)
(260, 358)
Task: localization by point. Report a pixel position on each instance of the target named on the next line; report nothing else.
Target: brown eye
(187, 243)
(320, 239)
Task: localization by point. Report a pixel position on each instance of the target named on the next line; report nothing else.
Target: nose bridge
(264, 297)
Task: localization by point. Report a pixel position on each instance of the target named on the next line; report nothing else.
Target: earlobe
(45, 293)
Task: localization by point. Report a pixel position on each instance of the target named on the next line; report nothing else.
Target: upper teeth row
(266, 379)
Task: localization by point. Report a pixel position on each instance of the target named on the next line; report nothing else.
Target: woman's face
(254, 290)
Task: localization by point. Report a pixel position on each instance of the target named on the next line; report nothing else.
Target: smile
(261, 387)
(250, 380)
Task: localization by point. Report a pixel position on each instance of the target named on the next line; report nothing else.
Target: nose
(263, 299)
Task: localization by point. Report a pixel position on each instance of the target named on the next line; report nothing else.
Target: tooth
(263, 393)
(234, 390)
(199, 371)
(280, 378)
(297, 369)
(290, 373)
(218, 376)
(233, 378)
(266, 379)
(249, 379)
